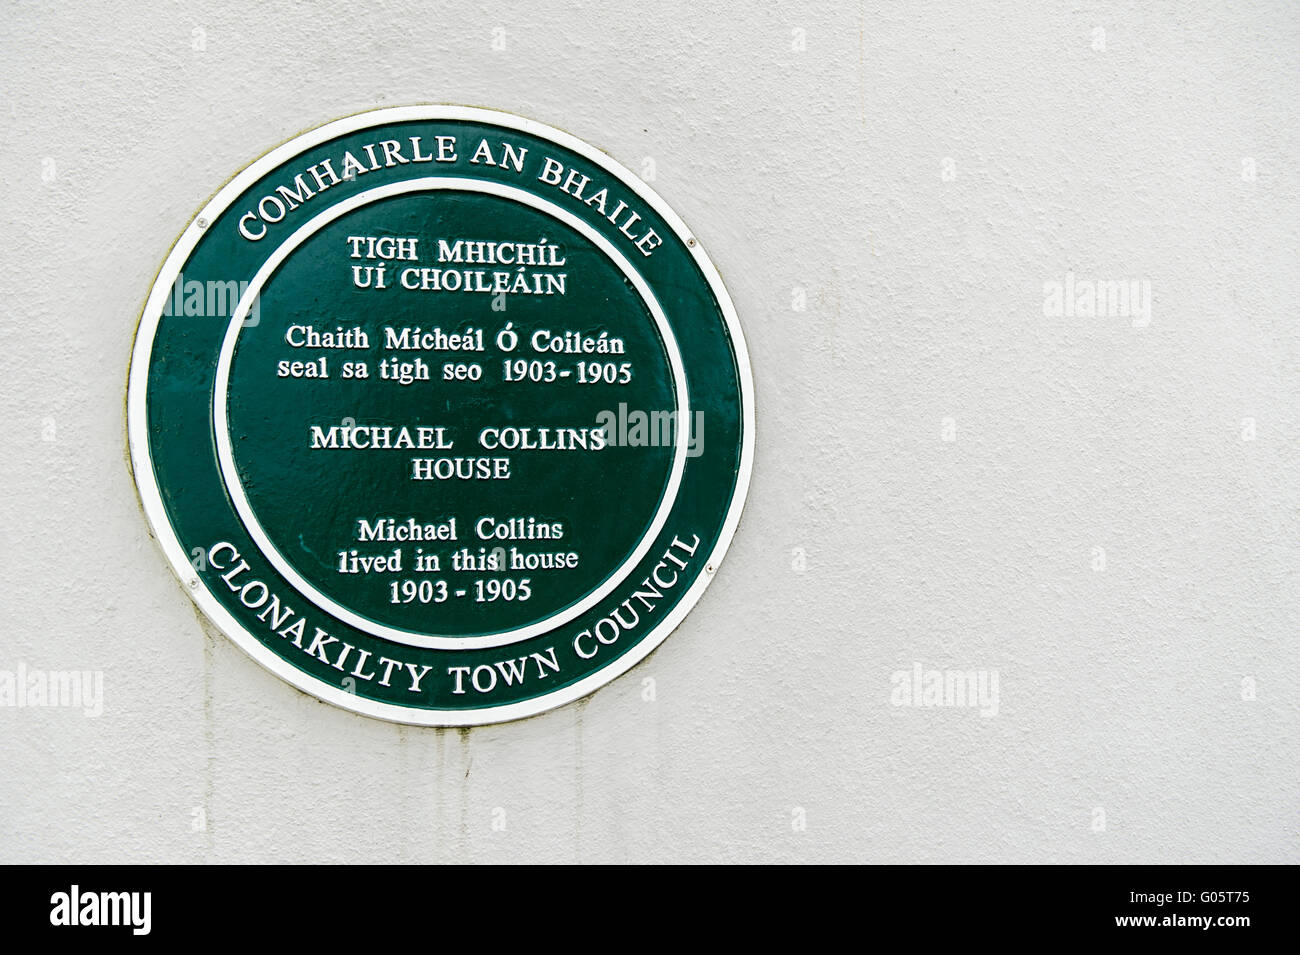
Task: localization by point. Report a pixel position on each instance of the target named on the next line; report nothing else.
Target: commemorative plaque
(441, 415)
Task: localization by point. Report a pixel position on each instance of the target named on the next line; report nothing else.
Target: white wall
(819, 169)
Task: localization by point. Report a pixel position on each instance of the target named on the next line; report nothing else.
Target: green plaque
(441, 415)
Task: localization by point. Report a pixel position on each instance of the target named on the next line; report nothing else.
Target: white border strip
(151, 497)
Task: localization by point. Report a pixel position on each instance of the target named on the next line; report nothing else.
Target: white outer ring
(151, 497)
(226, 457)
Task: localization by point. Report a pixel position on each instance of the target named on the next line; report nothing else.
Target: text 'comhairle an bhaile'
(257, 221)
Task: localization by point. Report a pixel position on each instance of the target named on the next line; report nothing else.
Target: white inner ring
(225, 452)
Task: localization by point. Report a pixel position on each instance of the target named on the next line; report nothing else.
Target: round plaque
(441, 415)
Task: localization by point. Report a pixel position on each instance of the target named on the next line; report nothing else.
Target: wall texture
(1103, 510)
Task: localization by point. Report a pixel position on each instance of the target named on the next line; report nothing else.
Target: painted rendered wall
(887, 190)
